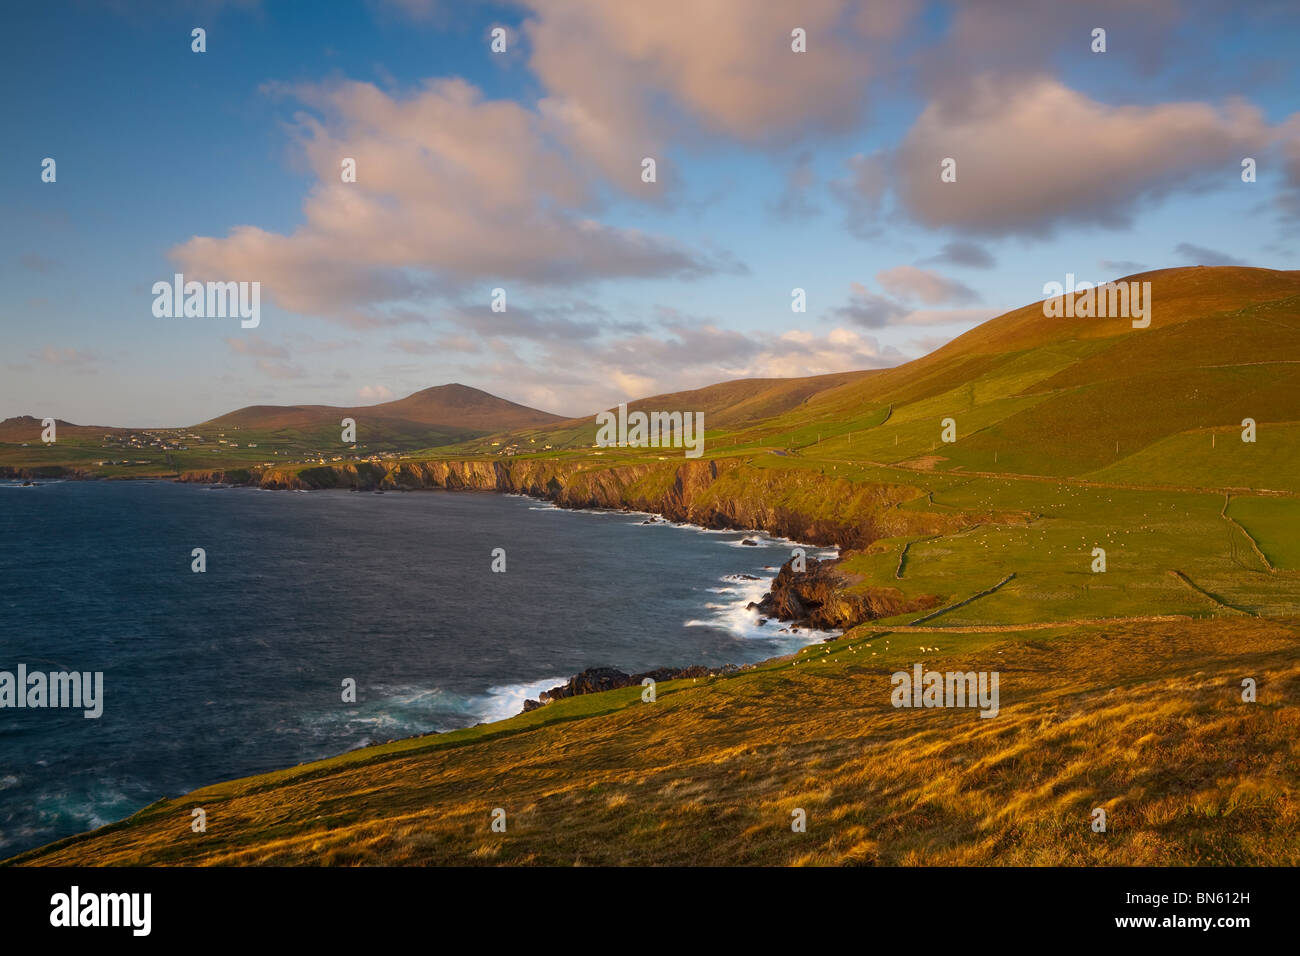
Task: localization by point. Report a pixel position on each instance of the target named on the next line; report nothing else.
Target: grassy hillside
(1144, 720)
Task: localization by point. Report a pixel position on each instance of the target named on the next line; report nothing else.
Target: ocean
(240, 669)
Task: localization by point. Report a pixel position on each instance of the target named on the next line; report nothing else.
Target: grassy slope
(1149, 725)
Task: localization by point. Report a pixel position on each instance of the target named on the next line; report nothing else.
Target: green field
(1274, 523)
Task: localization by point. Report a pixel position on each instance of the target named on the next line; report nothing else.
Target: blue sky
(479, 170)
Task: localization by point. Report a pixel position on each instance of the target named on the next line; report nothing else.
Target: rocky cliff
(800, 504)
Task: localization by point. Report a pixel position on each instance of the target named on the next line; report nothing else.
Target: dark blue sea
(239, 669)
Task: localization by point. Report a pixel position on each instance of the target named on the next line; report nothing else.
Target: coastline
(684, 494)
(706, 497)
(502, 702)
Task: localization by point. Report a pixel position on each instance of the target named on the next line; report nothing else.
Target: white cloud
(451, 189)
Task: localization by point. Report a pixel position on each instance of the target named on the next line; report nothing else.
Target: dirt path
(1249, 537)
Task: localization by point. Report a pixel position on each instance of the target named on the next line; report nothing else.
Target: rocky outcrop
(44, 471)
(822, 596)
(596, 680)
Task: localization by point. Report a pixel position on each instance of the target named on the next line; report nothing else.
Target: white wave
(737, 618)
(391, 712)
(763, 537)
(507, 700)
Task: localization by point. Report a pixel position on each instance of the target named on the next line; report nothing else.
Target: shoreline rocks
(823, 596)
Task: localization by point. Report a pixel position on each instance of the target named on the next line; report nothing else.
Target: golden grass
(1149, 726)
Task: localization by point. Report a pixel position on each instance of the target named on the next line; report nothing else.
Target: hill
(28, 428)
(445, 407)
(1136, 718)
(1074, 397)
(1036, 395)
(248, 437)
(731, 404)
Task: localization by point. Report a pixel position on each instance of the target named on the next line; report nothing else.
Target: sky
(523, 170)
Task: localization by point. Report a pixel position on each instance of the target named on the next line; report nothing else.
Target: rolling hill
(733, 404)
(28, 428)
(1079, 397)
(436, 416)
(1028, 394)
(430, 418)
(1036, 395)
(444, 407)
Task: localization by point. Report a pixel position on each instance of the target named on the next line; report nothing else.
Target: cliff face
(801, 504)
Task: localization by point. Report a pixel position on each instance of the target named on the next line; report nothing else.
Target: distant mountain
(429, 418)
(28, 428)
(466, 407)
(450, 407)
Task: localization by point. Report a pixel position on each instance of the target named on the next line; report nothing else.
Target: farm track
(1249, 537)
